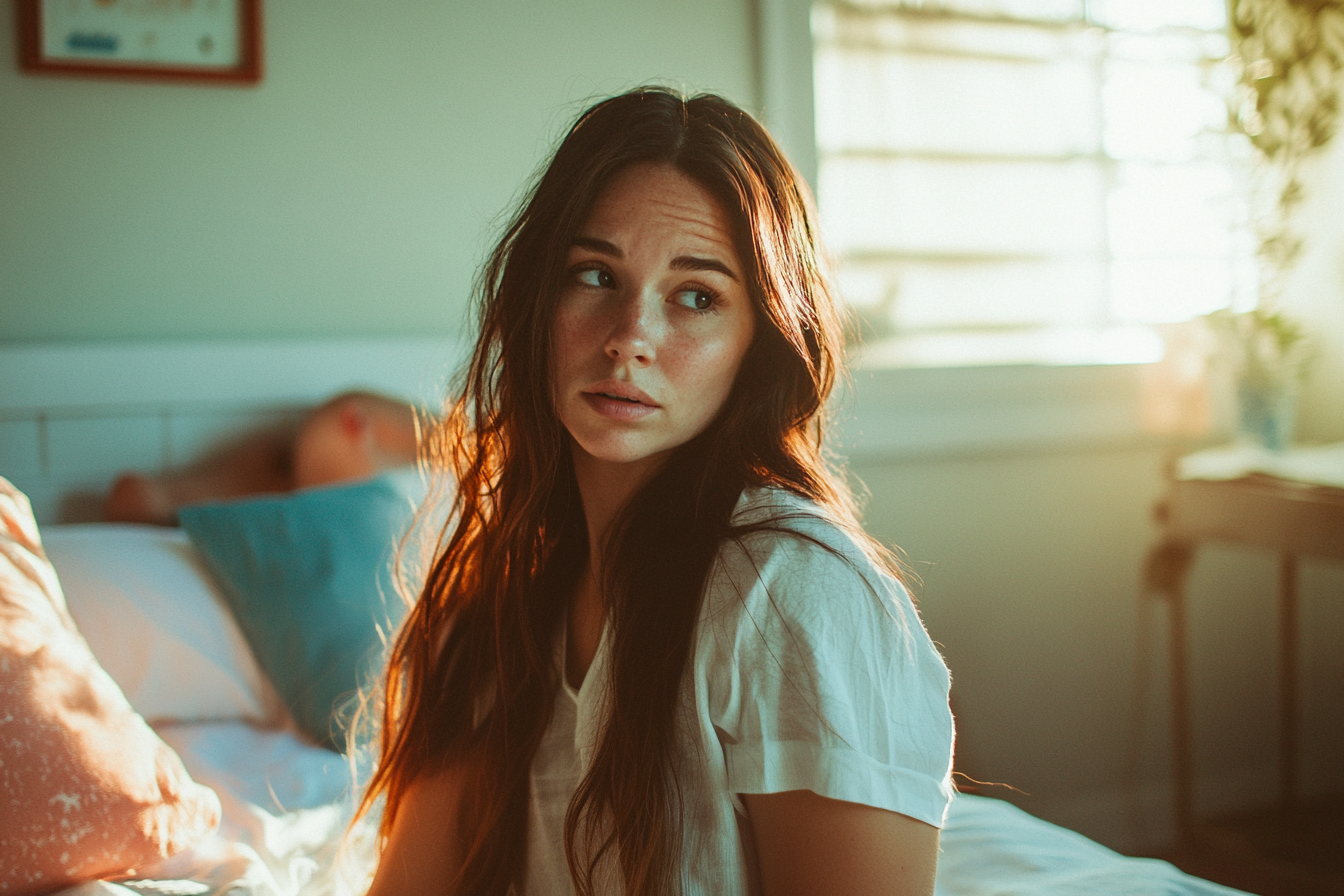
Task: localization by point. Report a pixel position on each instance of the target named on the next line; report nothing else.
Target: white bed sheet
(287, 804)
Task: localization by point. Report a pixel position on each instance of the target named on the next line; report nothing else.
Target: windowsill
(945, 396)
(1052, 347)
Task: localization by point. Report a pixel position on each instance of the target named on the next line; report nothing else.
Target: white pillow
(152, 615)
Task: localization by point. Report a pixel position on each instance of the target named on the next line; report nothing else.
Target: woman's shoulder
(793, 556)
(777, 515)
(802, 613)
(812, 670)
(773, 523)
(766, 502)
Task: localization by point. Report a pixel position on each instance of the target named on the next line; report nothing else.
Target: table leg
(1181, 740)
(1165, 569)
(1287, 679)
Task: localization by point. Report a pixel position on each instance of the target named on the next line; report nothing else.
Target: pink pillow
(87, 789)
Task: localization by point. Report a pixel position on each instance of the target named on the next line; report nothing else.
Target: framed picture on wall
(196, 40)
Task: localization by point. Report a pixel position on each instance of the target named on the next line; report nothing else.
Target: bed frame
(74, 415)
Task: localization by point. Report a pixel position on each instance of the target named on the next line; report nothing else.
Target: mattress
(287, 806)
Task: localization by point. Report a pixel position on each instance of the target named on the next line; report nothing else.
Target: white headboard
(74, 415)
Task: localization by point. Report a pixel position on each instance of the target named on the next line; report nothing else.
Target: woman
(655, 653)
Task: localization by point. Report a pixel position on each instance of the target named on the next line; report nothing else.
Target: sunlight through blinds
(998, 164)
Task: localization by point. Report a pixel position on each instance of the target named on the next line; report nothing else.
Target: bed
(163, 620)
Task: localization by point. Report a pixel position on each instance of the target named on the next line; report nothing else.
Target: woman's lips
(624, 404)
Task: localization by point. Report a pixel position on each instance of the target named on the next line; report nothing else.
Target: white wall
(350, 194)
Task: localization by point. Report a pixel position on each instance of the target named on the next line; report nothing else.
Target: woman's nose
(634, 331)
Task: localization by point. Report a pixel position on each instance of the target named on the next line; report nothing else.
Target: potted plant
(1270, 353)
(1288, 55)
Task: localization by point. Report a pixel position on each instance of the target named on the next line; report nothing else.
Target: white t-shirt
(809, 672)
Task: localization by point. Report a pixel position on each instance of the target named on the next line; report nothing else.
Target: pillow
(309, 578)
(157, 623)
(88, 789)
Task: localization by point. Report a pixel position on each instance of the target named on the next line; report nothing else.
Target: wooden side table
(1290, 518)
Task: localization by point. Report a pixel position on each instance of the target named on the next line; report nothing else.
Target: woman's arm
(425, 849)
(809, 844)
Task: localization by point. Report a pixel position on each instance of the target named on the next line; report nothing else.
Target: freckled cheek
(702, 369)
(570, 335)
(564, 324)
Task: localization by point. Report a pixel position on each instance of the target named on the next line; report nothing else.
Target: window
(992, 166)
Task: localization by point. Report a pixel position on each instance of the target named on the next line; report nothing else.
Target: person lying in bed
(657, 653)
(352, 436)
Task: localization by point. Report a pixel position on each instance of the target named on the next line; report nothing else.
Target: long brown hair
(472, 675)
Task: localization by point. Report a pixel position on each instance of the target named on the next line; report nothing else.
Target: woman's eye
(597, 277)
(696, 299)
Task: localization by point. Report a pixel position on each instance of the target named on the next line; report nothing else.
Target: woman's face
(653, 320)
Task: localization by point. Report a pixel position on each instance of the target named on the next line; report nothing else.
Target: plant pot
(1266, 413)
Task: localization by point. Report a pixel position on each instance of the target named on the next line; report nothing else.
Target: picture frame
(206, 41)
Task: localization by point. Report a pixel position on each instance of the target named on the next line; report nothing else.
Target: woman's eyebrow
(695, 263)
(601, 246)
(680, 263)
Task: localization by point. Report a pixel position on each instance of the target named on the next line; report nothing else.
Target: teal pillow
(308, 576)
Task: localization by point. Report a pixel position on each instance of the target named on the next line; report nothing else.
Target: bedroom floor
(1275, 852)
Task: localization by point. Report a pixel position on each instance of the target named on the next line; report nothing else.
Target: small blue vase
(1266, 413)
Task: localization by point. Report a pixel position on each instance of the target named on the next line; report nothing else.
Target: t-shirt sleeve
(818, 675)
